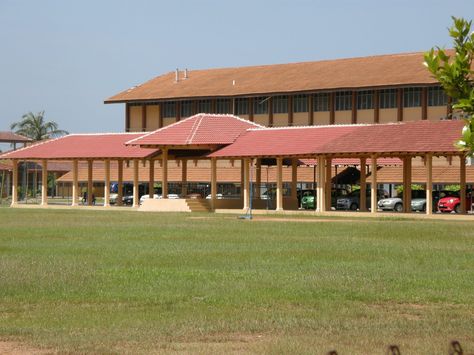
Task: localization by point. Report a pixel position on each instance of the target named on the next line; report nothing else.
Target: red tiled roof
(10, 137)
(409, 137)
(200, 129)
(82, 146)
(374, 71)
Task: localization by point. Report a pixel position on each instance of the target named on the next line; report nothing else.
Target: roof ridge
(194, 129)
(5, 155)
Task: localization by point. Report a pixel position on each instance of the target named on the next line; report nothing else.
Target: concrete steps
(198, 205)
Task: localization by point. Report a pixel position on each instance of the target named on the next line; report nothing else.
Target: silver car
(391, 204)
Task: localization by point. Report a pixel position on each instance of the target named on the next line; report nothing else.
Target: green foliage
(35, 127)
(455, 75)
(452, 187)
(414, 187)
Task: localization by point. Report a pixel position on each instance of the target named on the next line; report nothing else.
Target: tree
(455, 75)
(35, 127)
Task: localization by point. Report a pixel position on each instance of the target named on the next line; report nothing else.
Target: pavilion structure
(226, 137)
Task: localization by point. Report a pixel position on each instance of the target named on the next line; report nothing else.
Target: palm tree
(34, 126)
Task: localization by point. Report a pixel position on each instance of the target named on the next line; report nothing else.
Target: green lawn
(118, 282)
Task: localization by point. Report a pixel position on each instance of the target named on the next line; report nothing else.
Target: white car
(218, 196)
(147, 196)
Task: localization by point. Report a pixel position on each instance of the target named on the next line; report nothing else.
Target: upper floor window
(343, 101)
(411, 97)
(280, 104)
(242, 106)
(204, 106)
(300, 103)
(169, 109)
(186, 108)
(223, 106)
(260, 105)
(437, 96)
(388, 98)
(321, 102)
(365, 100)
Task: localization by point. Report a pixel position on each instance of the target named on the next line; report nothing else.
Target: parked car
(308, 199)
(396, 203)
(218, 196)
(147, 196)
(453, 203)
(352, 200)
(419, 204)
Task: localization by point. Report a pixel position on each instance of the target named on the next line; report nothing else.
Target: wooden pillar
(242, 177)
(178, 111)
(270, 112)
(407, 185)
(246, 183)
(184, 178)
(143, 117)
(294, 179)
(376, 106)
(107, 183)
(160, 115)
(127, 117)
(213, 183)
(321, 189)
(75, 183)
(373, 185)
(429, 183)
(363, 185)
(119, 182)
(354, 107)
(89, 182)
(279, 187)
(328, 184)
(251, 104)
(44, 182)
(164, 167)
(399, 105)
(310, 110)
(14, 182)
(290, 110)
(424, 103)
(258, 178)
(136, 198)
(332, 114)
(462, 183)
(151, 178)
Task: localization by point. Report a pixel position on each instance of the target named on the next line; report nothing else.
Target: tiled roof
(353, 161)
(409, 137)
(92, 146)
(373, 71)
(10, 137)
(200, 129)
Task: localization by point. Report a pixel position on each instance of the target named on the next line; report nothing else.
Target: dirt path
(16, 348)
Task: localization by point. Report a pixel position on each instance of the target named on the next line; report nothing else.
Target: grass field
(118, 282)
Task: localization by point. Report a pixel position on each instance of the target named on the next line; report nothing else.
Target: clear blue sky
(66, 57)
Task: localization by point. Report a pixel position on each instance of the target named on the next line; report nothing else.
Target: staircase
(198, 205)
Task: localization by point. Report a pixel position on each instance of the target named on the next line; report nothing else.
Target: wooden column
(160, 115)
(213, 183)
(407, 185)
(290, 110)
(258, 178)
(14, 182)
(424, 103)
(429, 183)
(328, 184)
(136, 197)
(44, 182)
(75, 183)
(178, 111)
(270, 112)
(321, 187)
(373, 185)
(399, 104)
(164, 167)
(310, 110)
(143, 117)
(363, 185)
(107, 183)
(184, 178)
(354, 107)
(279, 187)
(89, 182)
(332, 114)
(119, 182)
(376, 106)
(242, 177)
(127, 117)
(251, 104)
(151, 178)
(246, 183)
(294, 179)
(462, 183)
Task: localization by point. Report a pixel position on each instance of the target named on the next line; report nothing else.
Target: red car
(453, 203)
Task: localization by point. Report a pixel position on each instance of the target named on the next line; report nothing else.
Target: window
(388, 98)
(300, 103)
(365, 100)
(242, 106)
(169, 109)
(260, 105)
(437, 97)
(343, 101)
(280, 104)
(321, 102)
(186, 108)
(204, 106)
(411, 97)
(223, 106)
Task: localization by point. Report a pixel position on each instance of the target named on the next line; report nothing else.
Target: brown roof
(374, 71)
(10, 137)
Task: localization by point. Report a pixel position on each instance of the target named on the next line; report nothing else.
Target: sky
(67, 57)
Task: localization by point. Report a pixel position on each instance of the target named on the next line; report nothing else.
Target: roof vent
(186, 73)
(177, 75)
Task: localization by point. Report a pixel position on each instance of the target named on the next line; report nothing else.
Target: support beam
(429, 183)
(373, 185)
(328, 184)
(399, 105)
(184, 178)
(407, 185)
(119, 182)
(151, 178)
(14, 182)
(164, 167)
(270, 112)
(136, 197)
(310, 109)
(89, 182)
(127, 117)
(354, 107)
(213, 183)
(424, 103)
(290, 110)
(320, 190)
(279, 187)
(44, 182)
(258, 178)
(246, 184)
(251, 107)
(462, 183)
(363, 185)
(75, 183)
(107, 183)
(294, 179)
(376, 106)
(143, 118)
(332, 114)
